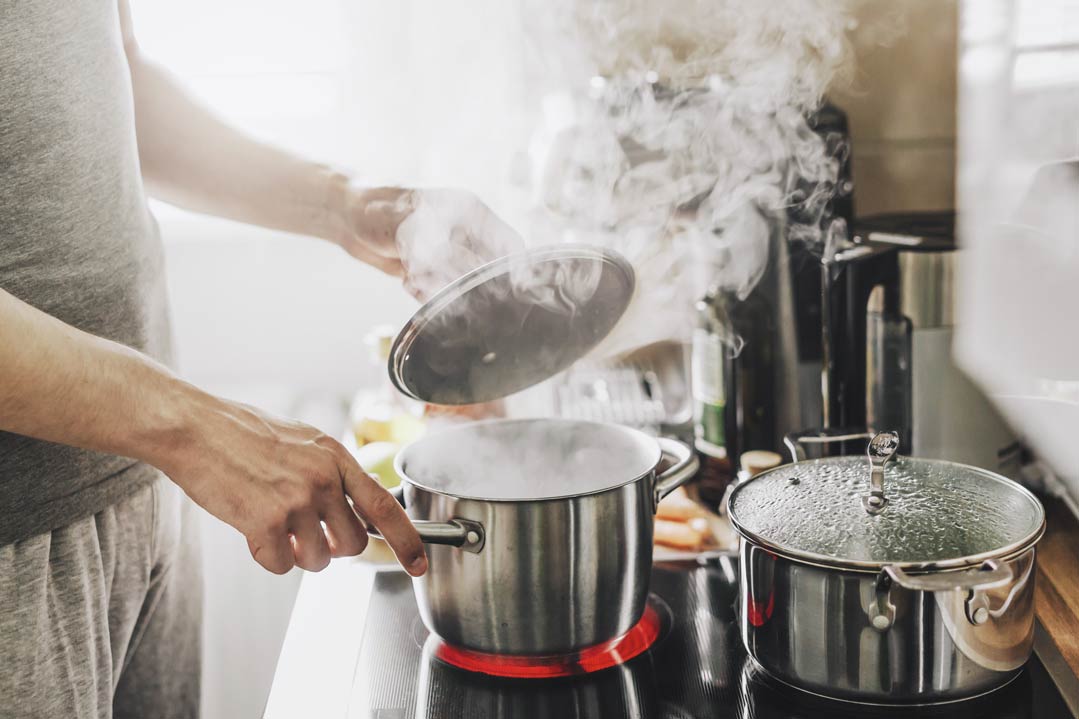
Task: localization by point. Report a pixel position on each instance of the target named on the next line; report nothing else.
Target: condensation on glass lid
(936, 511)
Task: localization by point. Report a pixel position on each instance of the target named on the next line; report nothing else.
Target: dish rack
(647, 389)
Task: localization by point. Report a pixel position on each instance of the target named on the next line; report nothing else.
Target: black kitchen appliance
(696, 668)
(889, 317)
(773, 384)
(863, 294)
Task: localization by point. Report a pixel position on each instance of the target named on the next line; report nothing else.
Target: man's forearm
(282, 484)
(193, 159)
(63, 385)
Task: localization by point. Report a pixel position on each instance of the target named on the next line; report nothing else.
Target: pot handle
(464, 533)
(685, 466)
(990, 575)
(796, 441)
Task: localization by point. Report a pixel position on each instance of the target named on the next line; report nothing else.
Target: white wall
(257, 307)
(901, 107)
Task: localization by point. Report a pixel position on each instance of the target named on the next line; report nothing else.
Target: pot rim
(950, 565)
(831, 562)
(638, 436)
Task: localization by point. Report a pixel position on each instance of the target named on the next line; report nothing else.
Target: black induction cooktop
(697, 668)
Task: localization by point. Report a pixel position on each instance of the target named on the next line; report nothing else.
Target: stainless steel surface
(821, 629)
(975, 582)
(511, 324)
(683, 467)
(835, 623)
(881, 450)
(554, 575)
(941, 515)
(927, 287)
(991, 575)
(462, 533)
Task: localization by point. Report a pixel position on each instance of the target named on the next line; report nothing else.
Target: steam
(433, 260)
(786, 52)
(683, 140)
(676, 133)
(527, 459)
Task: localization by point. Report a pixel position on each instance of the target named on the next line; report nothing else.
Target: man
(98, 597)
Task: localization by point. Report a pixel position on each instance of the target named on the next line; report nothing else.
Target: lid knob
(881, 450)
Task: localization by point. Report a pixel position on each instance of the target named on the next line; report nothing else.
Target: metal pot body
(553, 575)
(546, 575)
(887, 637)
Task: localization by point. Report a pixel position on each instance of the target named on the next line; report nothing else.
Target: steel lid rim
(399, 350)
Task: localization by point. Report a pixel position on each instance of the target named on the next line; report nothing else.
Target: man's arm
(193, 159)
(273, 480)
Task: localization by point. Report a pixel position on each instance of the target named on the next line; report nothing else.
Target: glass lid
(928, 512)
(511, 324)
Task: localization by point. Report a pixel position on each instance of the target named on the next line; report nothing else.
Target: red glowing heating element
(759, 612)
(591, 659)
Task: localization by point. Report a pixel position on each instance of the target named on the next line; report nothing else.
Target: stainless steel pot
(911, 586)
(540, 530)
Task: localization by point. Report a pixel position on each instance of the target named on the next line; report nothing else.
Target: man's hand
(283, 485)
(191, 158)
(426, 237)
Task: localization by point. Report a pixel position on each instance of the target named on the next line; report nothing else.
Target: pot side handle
(685, 466)
(992, 574)
(463, 533)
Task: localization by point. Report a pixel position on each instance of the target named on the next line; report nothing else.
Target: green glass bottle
(710, 379)
(709, 354)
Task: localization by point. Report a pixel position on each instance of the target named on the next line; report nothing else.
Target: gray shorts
(101, 618)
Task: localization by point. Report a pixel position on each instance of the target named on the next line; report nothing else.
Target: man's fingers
(309, 545)
(273, 553)
(381, 509)
(343, 528)
(389, 265)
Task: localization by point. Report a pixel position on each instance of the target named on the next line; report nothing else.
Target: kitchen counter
(1056, 596)
(318, 658)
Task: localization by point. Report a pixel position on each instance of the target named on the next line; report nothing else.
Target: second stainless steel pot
(863, 637)
(911, 586)
(540, 530)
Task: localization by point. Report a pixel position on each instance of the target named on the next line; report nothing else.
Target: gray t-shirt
(76, 238)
